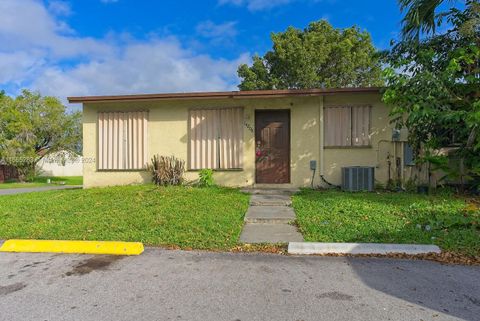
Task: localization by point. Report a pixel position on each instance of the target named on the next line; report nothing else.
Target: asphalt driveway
(178, 285)
(12, 191)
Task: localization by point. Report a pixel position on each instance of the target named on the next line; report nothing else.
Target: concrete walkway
(269, 219)
(12, 191)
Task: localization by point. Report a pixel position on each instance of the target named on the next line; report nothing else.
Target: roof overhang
(226, 94)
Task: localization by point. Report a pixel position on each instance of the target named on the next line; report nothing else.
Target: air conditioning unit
(358, 178)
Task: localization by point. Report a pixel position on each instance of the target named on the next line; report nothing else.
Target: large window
(216, 138)
(122, 140)
(347, 126)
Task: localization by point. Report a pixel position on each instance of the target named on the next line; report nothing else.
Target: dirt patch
(335, 295)
(96, 263)
(280, 248)
(5, 290)
(264, 248)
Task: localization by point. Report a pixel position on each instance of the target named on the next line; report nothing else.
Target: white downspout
(321, 153)
(395, 173)
(321, 135)
(402, 164)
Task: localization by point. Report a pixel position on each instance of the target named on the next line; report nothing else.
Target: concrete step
(271, 191)
(270, 200)
(269, 214)
(270, 233)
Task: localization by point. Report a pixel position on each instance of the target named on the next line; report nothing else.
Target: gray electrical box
(408, 159)
(358, 178)
(396, 135)
(313, 165)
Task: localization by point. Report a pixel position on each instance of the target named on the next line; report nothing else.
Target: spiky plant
(167, 170)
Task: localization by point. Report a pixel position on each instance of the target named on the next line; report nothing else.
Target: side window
(347, 126)
(122, 140)
(216, 138)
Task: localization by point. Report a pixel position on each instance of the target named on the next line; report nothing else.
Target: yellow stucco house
(281, 138)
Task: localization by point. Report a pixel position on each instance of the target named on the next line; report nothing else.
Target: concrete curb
(73, 247)
(359, 248)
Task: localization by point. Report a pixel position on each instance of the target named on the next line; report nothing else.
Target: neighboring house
(249, 138)
(61, 163)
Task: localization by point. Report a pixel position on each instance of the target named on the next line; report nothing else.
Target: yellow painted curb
(79, 247)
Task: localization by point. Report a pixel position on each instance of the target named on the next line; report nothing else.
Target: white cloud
(43, 31)
(59, 8)
(224, 30)
(255, 5)
(47, 55)
(156, 66)
(19, 65)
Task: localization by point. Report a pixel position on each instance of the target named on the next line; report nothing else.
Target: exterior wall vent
(358, 178)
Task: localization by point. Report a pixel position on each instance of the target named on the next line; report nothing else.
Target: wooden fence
(8, 172)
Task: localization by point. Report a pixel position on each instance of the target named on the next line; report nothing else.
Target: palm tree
(421, 16)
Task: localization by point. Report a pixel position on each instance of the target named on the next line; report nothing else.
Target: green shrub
(205, 178)
(411, 185)
(379, 186)
(167, 170)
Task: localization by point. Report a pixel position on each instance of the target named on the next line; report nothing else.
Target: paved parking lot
(178, 285)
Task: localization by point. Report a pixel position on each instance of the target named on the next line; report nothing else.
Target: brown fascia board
(225, 94)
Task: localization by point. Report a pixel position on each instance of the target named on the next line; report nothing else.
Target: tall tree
(433, 86)
(319, 56)
(33, 126)
(421, 16)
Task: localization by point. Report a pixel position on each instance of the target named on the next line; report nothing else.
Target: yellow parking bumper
(79, 247)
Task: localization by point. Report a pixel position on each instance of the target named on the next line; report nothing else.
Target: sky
(105, 47)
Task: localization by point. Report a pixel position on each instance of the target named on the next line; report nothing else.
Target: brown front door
(272, 150)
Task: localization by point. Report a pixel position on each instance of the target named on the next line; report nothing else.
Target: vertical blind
(347, 126)
(122, 140)
(337, 126)
(361, 125)
(216, 138)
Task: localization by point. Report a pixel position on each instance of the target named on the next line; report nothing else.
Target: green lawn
(201, 218)
(333, 216)
(42, 181)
